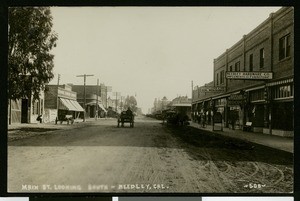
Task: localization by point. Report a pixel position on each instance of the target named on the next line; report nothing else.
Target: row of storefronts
(259, 95)
(54, 104)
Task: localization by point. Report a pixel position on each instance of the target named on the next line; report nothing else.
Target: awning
(286, 81)
(102, 107)
(77, 105)
(99, 104)
(181, 105)
(71, 105)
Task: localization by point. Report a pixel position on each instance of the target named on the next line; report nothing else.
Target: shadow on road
(223, 148)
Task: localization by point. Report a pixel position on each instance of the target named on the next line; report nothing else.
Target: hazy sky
(148, 51)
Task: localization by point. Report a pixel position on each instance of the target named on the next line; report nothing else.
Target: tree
(131, 102)
(30, 40)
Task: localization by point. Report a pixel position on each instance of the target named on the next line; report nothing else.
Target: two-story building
(257, 74)
(95, 99)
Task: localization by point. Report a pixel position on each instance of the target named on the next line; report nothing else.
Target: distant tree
(131, 102)
(30, 40)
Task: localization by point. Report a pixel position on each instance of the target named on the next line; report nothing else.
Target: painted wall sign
(212, 89)
(249, 75)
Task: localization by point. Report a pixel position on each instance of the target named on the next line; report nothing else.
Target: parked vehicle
(175, 118)
(126, 117)
(64, 116)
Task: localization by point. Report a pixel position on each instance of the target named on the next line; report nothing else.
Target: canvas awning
(102, 107)
(71, 105)
(99, 104)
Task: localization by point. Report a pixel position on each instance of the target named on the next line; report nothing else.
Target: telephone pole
(97, 108)
(57, 99)
(84, 95)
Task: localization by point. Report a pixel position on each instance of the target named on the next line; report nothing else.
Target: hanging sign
(249, 75)
(236, 99)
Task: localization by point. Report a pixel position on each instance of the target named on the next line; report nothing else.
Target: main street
(97, 156)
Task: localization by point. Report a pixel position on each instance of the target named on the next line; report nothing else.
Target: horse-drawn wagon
(126, 117)
(64, 116)
(176, 118)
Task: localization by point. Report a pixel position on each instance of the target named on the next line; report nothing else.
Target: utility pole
(116, 101)
(96, 115)
(57, 99)
(84, 95)
(106, 96)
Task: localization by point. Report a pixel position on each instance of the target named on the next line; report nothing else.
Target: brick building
(255, 78)
(94, 94)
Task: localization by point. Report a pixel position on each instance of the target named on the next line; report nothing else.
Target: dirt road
(151, 157)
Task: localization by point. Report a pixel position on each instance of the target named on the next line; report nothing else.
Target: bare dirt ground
(151, 157)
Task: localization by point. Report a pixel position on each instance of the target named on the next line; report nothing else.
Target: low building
(61, 100)
(25, 110)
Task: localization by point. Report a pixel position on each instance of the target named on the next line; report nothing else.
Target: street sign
(249, 75)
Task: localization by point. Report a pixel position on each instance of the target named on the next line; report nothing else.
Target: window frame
(284, 50)
(262, 58)
(251, 62)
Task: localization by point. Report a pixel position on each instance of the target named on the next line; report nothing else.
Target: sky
(147, 52)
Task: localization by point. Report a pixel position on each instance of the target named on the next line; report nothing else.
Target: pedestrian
(203, 120)
(39, 118)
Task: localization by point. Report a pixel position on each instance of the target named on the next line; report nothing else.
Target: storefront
(69, 107)
(61, 101)
(220, 107)
(95, 111)
(236, 108)
(255, 112)
(282, 107)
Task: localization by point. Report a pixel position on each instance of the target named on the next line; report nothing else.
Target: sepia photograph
(124, 99)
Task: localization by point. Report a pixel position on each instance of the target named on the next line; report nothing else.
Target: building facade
(253, 79)
(95, 99)
(25, 110)
(61, 100)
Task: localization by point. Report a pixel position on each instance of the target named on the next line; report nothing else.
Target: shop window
(282, 116)
(284, 91)
(284, 47)
(261, 58)
(257, 95)
(35, 107)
